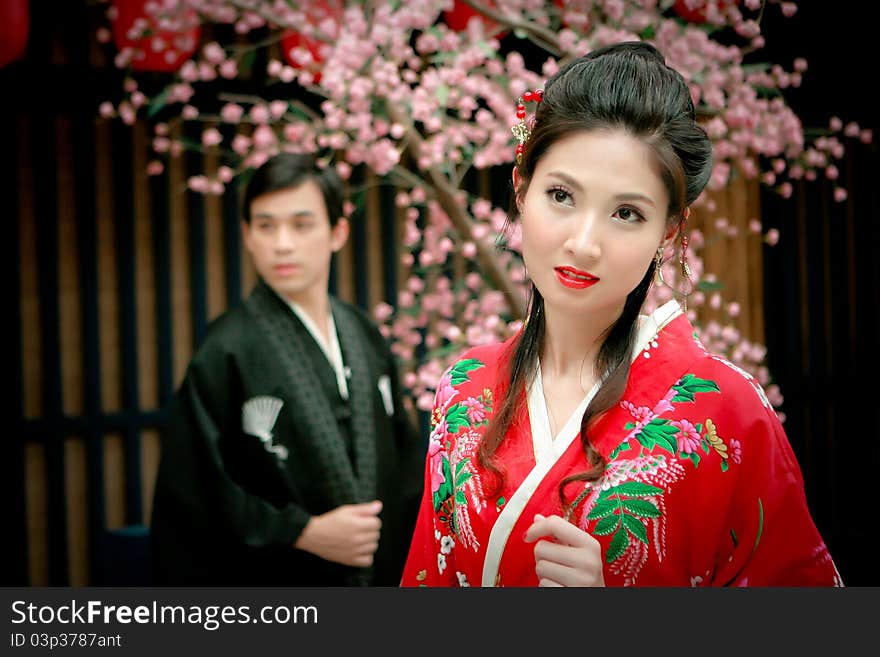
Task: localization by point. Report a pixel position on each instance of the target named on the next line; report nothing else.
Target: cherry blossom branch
(537, 33)
(446, 197)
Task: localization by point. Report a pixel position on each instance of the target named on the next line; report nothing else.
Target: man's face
(291, 241)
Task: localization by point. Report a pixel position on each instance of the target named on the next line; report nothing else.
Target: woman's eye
(560, 195)
(628, 215)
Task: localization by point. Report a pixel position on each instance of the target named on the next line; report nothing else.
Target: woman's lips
(575, 278)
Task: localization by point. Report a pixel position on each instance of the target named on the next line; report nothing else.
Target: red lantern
(461, 14)
(698, 13)
(159, 50)
(315, 13)
(14, 27)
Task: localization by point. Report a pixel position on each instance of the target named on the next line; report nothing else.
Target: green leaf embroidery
(695, 458)
(636, 489)
(456, 417)
(617, 450)
(459, 372)
(460, 498)
(689, 385)
(724, 465)
(636, 528)
(500, 503)
(641, 508)
(460, 466)
(603, 508)
(445, 490)
(606, 525)
(659, 433)
(618, 546)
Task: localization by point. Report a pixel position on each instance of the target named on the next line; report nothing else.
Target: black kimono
(259, 439)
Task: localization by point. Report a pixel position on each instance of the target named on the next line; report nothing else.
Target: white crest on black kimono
(258, 416)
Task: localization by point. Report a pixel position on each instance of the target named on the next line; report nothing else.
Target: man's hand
(349, 534)
(571, 558)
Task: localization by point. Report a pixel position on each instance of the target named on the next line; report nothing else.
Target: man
(288, 459)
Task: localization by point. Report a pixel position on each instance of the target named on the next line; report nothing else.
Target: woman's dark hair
(287, 170)
(626, 87)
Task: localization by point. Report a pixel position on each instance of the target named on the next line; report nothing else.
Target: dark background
(822, 281)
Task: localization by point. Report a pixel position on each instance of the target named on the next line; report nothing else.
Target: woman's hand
(570, 558)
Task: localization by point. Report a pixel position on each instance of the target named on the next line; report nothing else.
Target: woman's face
(592, 219)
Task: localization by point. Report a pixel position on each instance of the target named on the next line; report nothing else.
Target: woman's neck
(571, 345)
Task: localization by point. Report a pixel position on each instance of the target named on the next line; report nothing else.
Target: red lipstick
(575, 278)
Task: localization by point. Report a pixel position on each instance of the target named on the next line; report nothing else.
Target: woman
(599, 446)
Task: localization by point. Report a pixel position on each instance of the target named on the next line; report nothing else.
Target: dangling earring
(682, 260)
(658, 264)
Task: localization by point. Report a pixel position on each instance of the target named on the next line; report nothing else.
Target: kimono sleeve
(773, 540)
(195, 495)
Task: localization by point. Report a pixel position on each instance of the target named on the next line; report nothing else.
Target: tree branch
(445, 193)
(537, 33)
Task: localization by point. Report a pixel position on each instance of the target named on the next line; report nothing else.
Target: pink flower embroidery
(436, 454)
(688, 436)
(445, 393)
(476, 412)
(641, 414)
(664, 404)
(736, 449)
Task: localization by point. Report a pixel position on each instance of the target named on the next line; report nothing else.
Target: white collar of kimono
(330, 347)
(548, 449)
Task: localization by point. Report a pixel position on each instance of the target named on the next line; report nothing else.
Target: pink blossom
(264, 137)
(688, 437)
(436, 454)
(198, 183)
(259, 114)
(228, 69)
(641, 414)
(445, 393)
(476, 411)
(231, 112)
(225, 174)
(736, 450)
(211, 137)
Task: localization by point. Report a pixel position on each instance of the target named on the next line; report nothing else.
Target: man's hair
(287, 170)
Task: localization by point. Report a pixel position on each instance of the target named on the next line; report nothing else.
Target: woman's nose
(585, 237)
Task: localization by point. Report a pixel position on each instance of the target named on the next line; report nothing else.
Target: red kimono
(701, 486)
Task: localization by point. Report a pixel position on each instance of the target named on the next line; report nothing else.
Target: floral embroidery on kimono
(700, 488)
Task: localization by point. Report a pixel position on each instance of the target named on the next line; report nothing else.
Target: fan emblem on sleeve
(258, 417)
